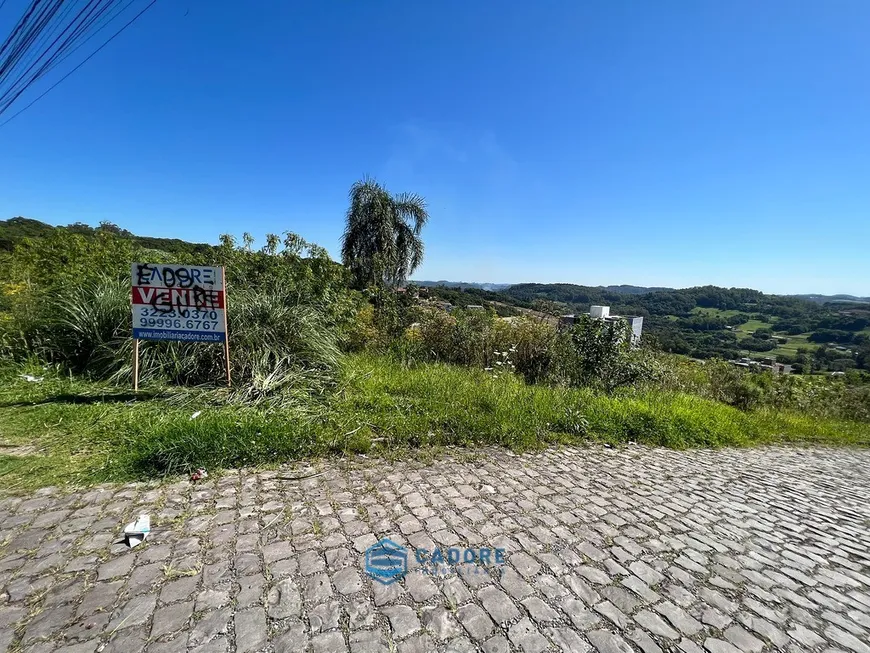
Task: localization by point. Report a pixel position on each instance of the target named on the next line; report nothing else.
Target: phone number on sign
(192, 313)
(178, 323)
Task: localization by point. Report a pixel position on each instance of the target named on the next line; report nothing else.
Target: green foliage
(427, 377)
(64, 431)
(593, 353)
(381, 243)
(69, 301)
(479, 338)
(757, 344)
(63, 259)
(832, 335)
(820, 396)
(600, 355)
(700, 322)
(16, 230)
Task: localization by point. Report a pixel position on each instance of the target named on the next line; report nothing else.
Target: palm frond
(410, 206)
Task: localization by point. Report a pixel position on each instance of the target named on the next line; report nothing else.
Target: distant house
(767, 364)
(635, 323)
(474, 307)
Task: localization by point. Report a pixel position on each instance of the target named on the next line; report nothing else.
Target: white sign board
(179, 302)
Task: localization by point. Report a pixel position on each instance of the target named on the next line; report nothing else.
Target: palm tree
(381, 242)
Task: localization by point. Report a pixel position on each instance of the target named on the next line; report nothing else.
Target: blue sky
(651, 143)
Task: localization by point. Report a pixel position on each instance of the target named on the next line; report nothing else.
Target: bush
(481, 339)
(593, 353)
(599, 354)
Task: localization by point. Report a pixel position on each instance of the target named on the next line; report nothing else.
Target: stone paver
(607, 550)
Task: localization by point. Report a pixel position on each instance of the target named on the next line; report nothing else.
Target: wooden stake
(135, 364)
(226, 330)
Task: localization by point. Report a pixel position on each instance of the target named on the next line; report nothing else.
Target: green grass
(750, 327)
(788, 349)
(65, 431)
(715, 312)
(794, 342)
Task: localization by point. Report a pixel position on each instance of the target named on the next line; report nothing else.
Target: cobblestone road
(607, 549)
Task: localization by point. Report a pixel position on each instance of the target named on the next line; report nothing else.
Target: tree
(381, 243)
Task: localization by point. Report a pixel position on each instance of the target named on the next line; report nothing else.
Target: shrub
(362, 333)
(534, 343)
(481, 339)
(463, 337)
(274, 345)
(599, 354)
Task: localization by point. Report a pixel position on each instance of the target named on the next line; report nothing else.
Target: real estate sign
(179, 302)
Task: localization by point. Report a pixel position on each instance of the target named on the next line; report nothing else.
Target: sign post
(183, 303)
(135, 364)
(226, 330)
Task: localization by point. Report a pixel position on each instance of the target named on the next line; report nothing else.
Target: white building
(635, 323)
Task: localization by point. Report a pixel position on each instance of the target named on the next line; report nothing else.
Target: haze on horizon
(640, 143)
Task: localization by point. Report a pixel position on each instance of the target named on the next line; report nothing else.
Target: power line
(105, 24)
(45, 57)
(88, 58)
(30, 51)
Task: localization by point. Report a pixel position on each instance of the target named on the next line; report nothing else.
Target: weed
(171, 573)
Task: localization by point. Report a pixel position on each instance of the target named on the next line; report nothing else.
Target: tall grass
(278, 342)
(87, 326)
(443, 404)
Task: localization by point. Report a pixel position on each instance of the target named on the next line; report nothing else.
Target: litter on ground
(136, 531)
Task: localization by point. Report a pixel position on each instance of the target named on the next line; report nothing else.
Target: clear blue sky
(651, 143)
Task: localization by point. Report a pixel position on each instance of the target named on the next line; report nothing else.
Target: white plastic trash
(136, 531)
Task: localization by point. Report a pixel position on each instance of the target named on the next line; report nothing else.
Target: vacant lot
(65, 431)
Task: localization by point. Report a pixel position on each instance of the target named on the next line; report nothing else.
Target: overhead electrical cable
(46, 35)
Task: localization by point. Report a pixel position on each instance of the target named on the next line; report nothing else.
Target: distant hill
(464, 284)
(824, 299)
(495, 287)
(622, 289)
(634, 290)
(14, 230)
